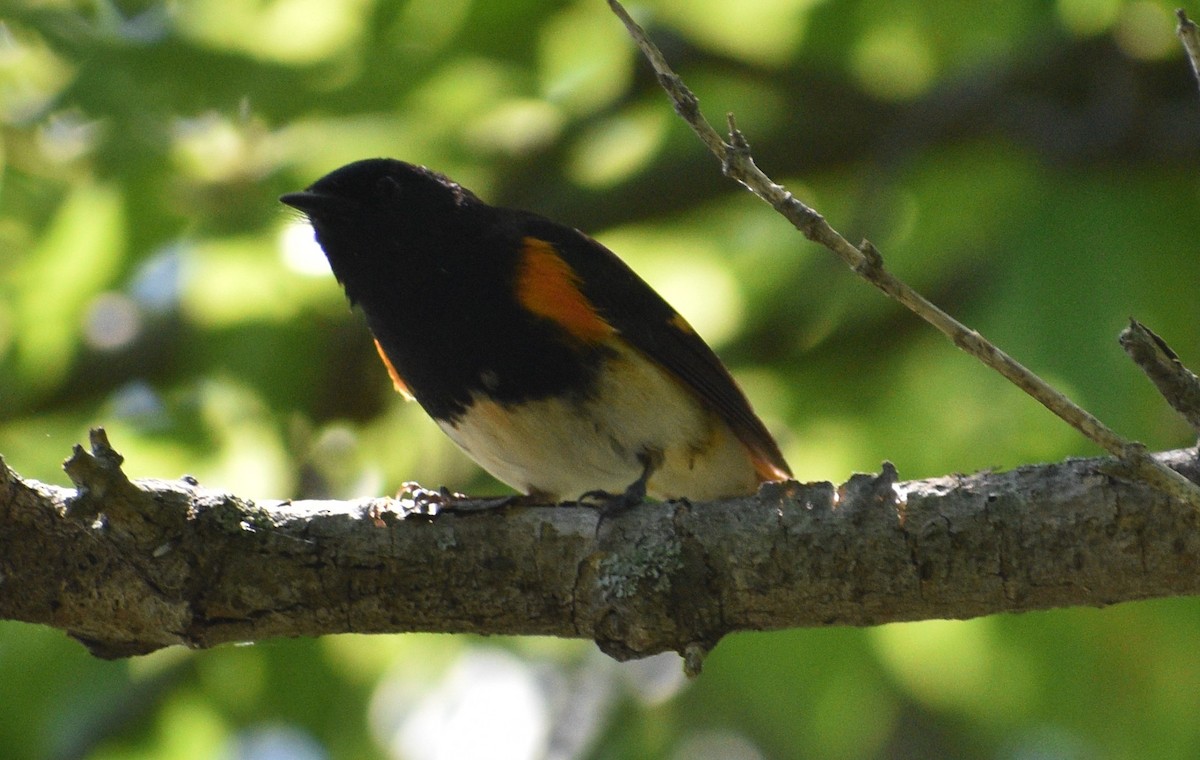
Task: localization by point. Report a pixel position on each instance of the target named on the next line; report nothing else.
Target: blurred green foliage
(1031, 165)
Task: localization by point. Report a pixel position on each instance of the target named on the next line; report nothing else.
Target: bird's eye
(387, 187)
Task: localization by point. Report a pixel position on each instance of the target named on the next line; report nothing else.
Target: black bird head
(378, 187)
(379, 219)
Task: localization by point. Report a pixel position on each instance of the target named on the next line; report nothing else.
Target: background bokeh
(1031, 165)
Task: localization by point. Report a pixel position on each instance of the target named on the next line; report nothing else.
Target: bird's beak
(317, 205)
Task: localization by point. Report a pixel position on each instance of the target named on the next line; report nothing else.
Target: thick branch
(128, 568)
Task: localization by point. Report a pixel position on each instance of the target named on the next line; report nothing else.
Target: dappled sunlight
(770, 394)
(33, 75)
(702, 291)
(489, 704)
(894, 62)
(417, 449)
(1088, 17)
(955, 665)
(515, 127)
(312, 147)
(68, 136)
(190, 726)
(1030, 166)
(763, 31)
(688, 272)
(218, 431)
(112, 321)
(584, 60)
(613, 149)
(300, 251)
(248, 458)
(429, 24)
(155, 284)
(652, 680)
(235, 280)
(1145, 29)
(214, 147)
(138, 404)
(273, 742)
(341, 466)
(77, 258)
(828, 449)
(291, 31)
(7, 328)
(726, 745)
(239, 678)
(969, 411)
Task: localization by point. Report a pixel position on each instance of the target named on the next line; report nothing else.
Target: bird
(535, 348)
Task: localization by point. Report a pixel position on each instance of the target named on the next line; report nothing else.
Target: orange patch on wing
(397, 381)
(548, 287)
(767, 470)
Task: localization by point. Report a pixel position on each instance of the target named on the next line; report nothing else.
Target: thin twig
(1190, 37)
(1177, 384)
(738, 163)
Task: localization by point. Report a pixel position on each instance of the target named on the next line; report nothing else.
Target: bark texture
(130, 567)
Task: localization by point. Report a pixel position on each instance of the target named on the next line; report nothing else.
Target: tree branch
(1190, 38)
(1177, 384)
(866, 261)
(130, 567)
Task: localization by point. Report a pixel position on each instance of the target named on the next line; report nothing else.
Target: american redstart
(536, 349)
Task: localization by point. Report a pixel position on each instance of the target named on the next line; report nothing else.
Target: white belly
(562, 449)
